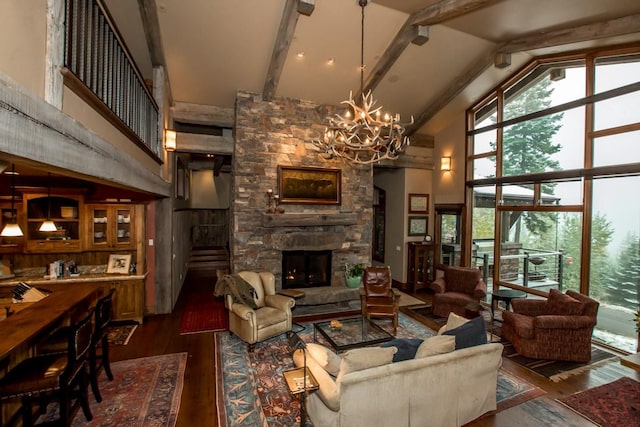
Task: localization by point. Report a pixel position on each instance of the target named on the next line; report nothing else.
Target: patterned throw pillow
(561, 304)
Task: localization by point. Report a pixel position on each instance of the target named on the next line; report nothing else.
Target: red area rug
(616, 404)
(204, 312)
(145, 392)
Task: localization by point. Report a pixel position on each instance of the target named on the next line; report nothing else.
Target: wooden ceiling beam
(599, 30)
(537, 40)
(456, 86)
(286, 32)
(151, 26)
(199, 114)
(434, 14)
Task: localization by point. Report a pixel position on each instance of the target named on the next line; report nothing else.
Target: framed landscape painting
(316, 186)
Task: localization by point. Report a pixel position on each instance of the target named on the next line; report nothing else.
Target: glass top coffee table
(353, 332)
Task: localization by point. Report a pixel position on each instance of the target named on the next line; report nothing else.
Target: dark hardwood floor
(160, 334)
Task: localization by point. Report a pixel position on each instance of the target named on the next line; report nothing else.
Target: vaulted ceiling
(213, 48)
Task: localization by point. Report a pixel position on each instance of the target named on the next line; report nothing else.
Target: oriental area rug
(616, 404)
(204, 312)
(250, 387)
(145, 392)
(121, 334)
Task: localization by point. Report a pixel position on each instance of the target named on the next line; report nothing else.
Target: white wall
(208, 191)
(23, 29)
(398, 183)
(448, 187)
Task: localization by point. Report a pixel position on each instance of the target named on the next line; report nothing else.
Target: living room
(80, 148)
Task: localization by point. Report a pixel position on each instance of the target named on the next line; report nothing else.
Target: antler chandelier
(363, 135)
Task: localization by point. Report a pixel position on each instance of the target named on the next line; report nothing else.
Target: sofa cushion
(325, 357)
(407, 348)
(436, 345)
(364, 358)
(470, 334)
(453, 321)
(562, 304)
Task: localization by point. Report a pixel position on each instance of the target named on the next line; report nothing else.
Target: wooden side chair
(54, 376)
(99, 360)
(377, 297)
(99, 353)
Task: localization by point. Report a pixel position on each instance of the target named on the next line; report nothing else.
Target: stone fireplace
(279, 133)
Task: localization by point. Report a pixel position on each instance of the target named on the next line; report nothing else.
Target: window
(559, 166)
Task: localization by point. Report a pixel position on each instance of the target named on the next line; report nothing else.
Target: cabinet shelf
(421, 268)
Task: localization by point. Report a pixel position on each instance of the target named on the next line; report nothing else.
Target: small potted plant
(353, 274)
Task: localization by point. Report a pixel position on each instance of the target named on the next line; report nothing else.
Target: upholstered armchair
(377, 298)
(456, 289)
(558, 328)
(268, 316)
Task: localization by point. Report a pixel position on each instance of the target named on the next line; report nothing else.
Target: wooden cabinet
(66, 213)
(128, 300)
(110, 227)
(421, 267)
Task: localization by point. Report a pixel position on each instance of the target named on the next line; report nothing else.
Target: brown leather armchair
(270, 316)
(454, 291)
(377, 298)
(558, 328)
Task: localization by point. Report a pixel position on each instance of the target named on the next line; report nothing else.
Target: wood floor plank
(160, 334)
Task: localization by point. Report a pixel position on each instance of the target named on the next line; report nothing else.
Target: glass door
(449, 233)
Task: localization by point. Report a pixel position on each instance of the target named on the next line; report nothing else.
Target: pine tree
(623, 286)
(527, 146)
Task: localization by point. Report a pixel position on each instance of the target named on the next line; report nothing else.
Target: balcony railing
(532, 268)
(99, 66)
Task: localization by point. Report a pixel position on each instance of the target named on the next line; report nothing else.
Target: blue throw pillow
(471, 333)
(407, 348)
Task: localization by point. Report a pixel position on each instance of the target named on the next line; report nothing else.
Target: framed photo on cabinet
(418, 203)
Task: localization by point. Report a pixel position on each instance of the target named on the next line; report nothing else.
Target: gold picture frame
(313, 186)
(119, 264)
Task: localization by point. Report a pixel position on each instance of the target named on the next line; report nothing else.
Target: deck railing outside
(533, 268)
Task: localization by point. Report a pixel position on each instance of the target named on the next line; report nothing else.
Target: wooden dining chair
(99, 360)
(98, 356)
(62, 377)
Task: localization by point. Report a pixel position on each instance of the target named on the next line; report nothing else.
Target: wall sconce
(445, 163)
(170, 140)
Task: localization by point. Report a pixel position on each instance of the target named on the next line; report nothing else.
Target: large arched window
(553, 171)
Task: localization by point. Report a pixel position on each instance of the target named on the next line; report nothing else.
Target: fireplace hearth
(306, 269)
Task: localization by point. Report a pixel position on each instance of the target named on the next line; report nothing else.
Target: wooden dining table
(32, 322)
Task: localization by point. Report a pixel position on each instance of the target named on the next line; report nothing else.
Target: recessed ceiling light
(331, 61)
(300, 54)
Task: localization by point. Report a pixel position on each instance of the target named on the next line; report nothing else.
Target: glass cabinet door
(100, 227)
(123, 226)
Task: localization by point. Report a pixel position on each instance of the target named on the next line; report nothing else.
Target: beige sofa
(442, 390)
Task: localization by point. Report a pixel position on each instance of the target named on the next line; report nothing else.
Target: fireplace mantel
(308, 219)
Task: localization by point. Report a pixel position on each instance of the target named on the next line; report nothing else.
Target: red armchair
(454, 291)
(558, 328)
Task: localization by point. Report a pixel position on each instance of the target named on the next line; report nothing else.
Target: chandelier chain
(363, 135)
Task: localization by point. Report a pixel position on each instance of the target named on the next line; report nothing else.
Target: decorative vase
(354, 281)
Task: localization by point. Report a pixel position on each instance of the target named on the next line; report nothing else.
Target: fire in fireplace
(306, 269)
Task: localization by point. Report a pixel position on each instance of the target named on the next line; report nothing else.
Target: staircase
(209, 259)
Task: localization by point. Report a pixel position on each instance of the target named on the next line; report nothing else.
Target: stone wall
(279, 132)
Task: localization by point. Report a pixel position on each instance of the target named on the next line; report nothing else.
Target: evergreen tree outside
(601, 266)
(623, 285)
(527, 147)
